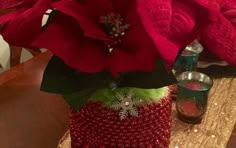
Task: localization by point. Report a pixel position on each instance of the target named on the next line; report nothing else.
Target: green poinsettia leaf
(77, 87)
(156, 79)
(77, 99)
(61, 79)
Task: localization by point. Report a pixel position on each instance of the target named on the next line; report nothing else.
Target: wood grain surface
(30, 118)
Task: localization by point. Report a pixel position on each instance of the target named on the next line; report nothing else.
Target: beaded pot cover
(95, 125)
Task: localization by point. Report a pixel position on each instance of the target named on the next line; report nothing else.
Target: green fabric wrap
(107, 96)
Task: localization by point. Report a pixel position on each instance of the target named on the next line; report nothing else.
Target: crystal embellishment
(127, 105)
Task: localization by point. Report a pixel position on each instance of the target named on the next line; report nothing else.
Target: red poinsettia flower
(93, 35)
(119, 35)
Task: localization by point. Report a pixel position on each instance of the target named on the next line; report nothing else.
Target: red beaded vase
(97, 126)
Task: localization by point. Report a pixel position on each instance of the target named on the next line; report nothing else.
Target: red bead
(95, 120)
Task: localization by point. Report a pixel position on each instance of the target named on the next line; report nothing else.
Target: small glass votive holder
(188, 59)
(191, 101)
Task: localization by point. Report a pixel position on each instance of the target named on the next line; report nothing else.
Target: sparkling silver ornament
(126, 105)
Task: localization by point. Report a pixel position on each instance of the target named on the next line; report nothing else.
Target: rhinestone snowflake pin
(127, 104)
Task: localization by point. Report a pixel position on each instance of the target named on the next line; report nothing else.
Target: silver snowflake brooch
(127, 104)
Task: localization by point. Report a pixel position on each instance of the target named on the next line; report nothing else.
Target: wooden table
(30, 118)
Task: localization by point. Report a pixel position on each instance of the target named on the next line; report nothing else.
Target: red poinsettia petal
(98, 7)
(64, 38)
(137, 53)
(10, 9)
(5, 4)
(167, 50)
(11, 15)
(137, 39)
(183, 22)
(24, 28)
(82, 15)
(210, 4)
(156, 17)
(124, 7)
(123, 61)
